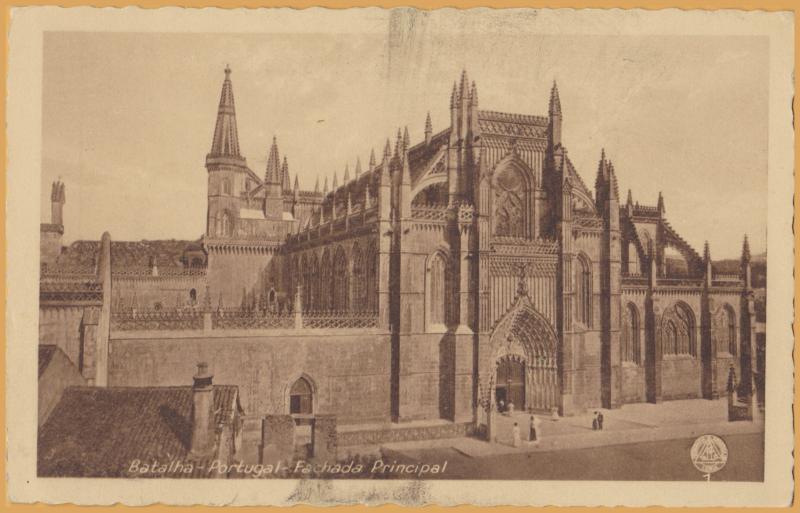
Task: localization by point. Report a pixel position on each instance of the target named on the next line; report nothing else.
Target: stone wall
(348, 369)
(149, 291)
(60, 325)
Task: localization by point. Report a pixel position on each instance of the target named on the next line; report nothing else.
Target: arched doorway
(510, 382)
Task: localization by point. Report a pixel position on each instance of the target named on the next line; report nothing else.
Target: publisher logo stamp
(709, 453)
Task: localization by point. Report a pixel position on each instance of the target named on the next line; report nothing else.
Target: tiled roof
(98, 432)
(168, 253)
(46, 353)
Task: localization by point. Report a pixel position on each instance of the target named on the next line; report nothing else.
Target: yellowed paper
(366, 256)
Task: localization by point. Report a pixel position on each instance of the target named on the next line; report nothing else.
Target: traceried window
(678, 331)
(510, 204)
(341, 273)
(371, 280)
(633, 260)
(583, 291)
(437, 290)
(723, 330)
(631, 349)
(359, 280)
(226, 186)
(301, 398)
(323, 299)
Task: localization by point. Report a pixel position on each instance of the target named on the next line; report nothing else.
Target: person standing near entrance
(595, 423)
(600, 421)
(517, 436)
(534, 431)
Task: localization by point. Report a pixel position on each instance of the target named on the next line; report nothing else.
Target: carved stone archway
(524, 335)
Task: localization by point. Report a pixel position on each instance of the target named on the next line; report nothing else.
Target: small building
(188, 431)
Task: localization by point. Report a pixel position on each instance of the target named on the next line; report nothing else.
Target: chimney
(203, 432)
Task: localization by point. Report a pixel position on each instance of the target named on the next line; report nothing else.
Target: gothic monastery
(444, 276)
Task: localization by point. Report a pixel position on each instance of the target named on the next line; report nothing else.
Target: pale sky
(129, 118)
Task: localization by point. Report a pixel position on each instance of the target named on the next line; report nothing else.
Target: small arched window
(631, 351)
(583, 291)
(301, 398)
(193, 296)
(157, 306)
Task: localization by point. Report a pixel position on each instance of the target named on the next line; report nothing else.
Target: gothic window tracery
(323, 300)
(341, 273)
(723, 331)
(510, 214)
(631, 348)
(678, 331)
(359, 280)
(301, 398)
(583, 291)
(371, 281)
(437, 290)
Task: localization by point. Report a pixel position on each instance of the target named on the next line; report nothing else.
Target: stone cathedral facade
(443, 276)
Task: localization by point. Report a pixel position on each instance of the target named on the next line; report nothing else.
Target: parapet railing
(239, 319)
(183, 319)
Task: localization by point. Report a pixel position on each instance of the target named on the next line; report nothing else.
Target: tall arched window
(226, 186)
(359, 279)
(678, 331)
(723, 330)
(301, 398)
(583, 291)
(371, 280)
(341, 274)
(511, 203)
(631, 349)
(633, 260)
(323, 301)
(226, 224)
(437, 290)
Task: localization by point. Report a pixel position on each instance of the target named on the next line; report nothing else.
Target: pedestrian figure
(600, 421)
(554, 413)
(516, 434)
(501, 406)
(595, 423)
(534, 434)
(511, 407)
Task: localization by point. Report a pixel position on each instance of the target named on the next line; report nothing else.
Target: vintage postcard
(391, 255)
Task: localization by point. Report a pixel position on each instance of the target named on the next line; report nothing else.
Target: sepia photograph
(440, 245)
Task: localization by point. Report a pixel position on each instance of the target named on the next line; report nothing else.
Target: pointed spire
(296, 183)
(406, 139)
(474, 94)
(346, 173)
(335, 181)
(405, 178)
(453, 96)
(614, 188)
(226, 135)
(387, 150)
(629, 202)
(706, 253)
(602, 171)
(358, 166)
(285, 171)
(555, 101)
(745, 251)
(349, 204)
(371, 159)
(325, 187)
(316, 185)
(428, 128)
(398, 145)
(660, 205)
(464, 88)
(273, 164)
